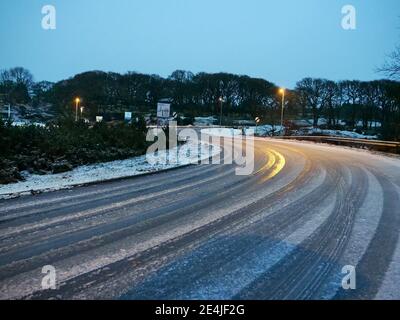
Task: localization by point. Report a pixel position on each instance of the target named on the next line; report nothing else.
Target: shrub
(42, 149)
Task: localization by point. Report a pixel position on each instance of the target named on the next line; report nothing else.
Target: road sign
(128, 116)
(99, 118)
(163, 110)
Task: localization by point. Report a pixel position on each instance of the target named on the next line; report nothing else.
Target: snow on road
(206, 233)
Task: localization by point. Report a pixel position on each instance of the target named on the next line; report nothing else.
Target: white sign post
(163, 113)
(128, 116)
(163, 110)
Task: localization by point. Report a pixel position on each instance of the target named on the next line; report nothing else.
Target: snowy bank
(264, 130)
(268, 130)
(205, 121)
(335, 133)
(222, 132)
(27, 123)
(230, 132)
(177, 157)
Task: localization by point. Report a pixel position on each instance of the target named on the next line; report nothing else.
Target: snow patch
(335, 133)
(222, 132)
(205, 121)
(265, 130)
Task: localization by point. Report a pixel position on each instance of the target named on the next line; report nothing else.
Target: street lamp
(82, 109)
(221, 100)
(282, 92)
(77, 100)
(257, 120)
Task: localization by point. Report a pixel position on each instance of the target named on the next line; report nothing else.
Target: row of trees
(354, 101)
(189, 93)
(198, 94)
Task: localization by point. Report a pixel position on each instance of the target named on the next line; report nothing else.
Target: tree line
(344, 104)
(366, 102)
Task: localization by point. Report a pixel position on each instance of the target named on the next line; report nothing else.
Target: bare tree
(312, 90)
(331, 100)
(17, 75)
(15, 84)
(350, 90)
(5, 76)
(391, 67)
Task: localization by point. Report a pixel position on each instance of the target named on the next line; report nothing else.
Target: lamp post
(82, 109)
(257, 120)
(77, 100)
(282, 92)
(221, 100)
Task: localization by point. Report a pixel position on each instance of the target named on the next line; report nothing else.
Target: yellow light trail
(279, 163)
(271, 161)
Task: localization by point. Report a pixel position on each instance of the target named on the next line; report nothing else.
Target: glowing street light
(82, 109)
(257, 120)
(282, 92)
(77, 101)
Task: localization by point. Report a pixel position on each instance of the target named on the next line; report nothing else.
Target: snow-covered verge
(205, 121)
(189, 153)
(264, 130)
(335, 133)
(267, 130)
(323, 121)
(222, 132)
(27, 123)
(27, 114)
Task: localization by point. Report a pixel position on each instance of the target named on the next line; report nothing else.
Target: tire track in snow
(301, 274)
(121, 257)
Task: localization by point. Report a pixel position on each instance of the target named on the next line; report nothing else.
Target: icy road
(201, 232)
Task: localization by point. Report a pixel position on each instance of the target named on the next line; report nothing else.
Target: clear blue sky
(281, 41)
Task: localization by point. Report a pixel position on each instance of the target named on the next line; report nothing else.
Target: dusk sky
(281, 41)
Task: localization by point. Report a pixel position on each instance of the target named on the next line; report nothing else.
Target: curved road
(201, 232)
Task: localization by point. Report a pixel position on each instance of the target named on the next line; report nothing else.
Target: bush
(61, 146)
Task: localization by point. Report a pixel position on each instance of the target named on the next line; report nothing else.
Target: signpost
(163, 113)
(128, 116)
